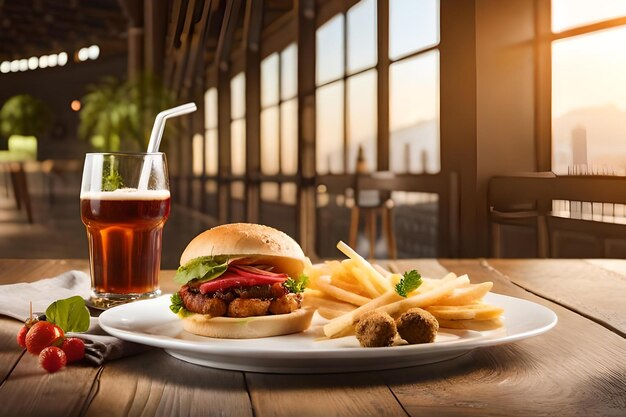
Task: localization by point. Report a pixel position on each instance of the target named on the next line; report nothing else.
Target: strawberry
(21, 336)
(74, 349)
(41, 335)
(52, 359)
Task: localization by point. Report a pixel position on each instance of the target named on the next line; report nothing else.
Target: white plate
(152, 323)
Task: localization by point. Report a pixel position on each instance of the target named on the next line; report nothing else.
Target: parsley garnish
(113, 180)
(409, 282)
(178, 307)
(296, 286)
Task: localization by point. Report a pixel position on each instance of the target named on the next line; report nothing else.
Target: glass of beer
(124, 203)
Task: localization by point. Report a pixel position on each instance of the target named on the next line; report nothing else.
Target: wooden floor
(58, 232)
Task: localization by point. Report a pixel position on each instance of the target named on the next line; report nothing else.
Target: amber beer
(124, 229)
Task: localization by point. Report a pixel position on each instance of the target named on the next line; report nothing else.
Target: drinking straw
(157, 134)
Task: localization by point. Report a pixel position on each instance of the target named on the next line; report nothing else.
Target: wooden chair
(577, 234)
(372, 204)
(521, 201)
(20, 188)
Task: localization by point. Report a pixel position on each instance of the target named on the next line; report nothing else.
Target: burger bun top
(262, 244)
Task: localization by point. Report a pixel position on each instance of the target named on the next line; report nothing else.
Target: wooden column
(251, 44)
(543, 85)
(223, 129)
(222, 60)
(133, 10)
(305, 226)
(155, 24)
(382, 69)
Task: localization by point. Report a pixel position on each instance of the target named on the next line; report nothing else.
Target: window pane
(329, 128)
(362, 35)
(269, 81)
(238, 96)
(269, 191)
(197, 151)
(210, 108)
(211, 152)
(238, 147)
(289, 137)
(414, 114)
(589, 103)
(289, 193)
(329, 55)
(269, 141)
(567, 14)
(362, 118)
(289, 72)
(413, 25)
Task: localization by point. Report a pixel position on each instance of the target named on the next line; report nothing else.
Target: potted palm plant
(23, 118)
(117, 115)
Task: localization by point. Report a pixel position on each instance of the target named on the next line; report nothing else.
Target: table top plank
(549, 369)
(575, 369)
(357, 394)
(10, 351)
(585, 287)
(156, 384)
(30, 391)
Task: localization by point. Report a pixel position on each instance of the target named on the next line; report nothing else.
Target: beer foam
(126, 194)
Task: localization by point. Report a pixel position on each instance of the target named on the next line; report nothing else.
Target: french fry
(478, 325)
(468, 312)
(425, 299)
(365, 281)
(329, 313)
(339, 325)
(330, 303)
(467, 295)
(350, 253)
(382, 270)
(340, 294)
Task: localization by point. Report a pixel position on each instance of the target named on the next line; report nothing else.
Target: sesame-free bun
(235, 240)
(249, 327)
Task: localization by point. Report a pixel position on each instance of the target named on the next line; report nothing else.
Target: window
(346, 115)
(346, 96)
(588, 89)
(414, 86)
(279, 115)
(238, 132)
(210, 133)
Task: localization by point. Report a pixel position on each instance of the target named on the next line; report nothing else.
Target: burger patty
(258, 300)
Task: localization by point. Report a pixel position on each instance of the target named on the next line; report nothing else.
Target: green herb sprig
(411, 280)
(298, 285)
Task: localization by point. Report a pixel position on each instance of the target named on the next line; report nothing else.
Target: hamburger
(242, 281)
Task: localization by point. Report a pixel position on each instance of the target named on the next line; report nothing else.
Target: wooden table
(576, 369)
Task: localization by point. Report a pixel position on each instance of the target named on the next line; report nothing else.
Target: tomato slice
(236, 277)
(247, 270)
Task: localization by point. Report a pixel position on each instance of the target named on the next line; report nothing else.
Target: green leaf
(112, 180)
(296, 285)
(204, 268)
(409, 282)
(70, 314)
(177, 306)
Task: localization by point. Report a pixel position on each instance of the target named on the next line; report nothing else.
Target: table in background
(577, 368)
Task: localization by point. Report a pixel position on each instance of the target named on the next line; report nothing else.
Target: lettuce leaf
(178, 307)
(204, 268)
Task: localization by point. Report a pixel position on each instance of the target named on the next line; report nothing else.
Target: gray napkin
(15, 298)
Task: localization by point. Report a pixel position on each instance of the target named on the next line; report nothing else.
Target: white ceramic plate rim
(111, 321)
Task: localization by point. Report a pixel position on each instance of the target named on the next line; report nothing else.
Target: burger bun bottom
(249, 327)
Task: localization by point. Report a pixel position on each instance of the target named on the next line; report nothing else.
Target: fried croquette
(417, 326)
(375, 329)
